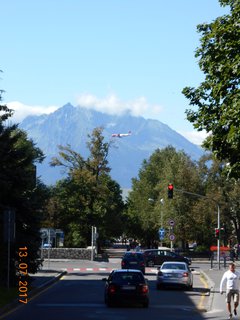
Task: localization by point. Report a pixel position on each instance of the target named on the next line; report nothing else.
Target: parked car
(126, 286)
(133, 260)
(175, 274)
(156, 257)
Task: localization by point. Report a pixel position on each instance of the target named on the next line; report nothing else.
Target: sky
(110, 55)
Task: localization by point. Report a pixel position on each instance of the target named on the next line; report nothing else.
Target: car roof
(174, 262)
(133, 252)
(159, 248)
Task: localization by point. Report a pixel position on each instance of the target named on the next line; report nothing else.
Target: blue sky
(111, 54)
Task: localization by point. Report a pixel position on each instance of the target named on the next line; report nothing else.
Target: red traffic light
(170, 191)
(217, 232)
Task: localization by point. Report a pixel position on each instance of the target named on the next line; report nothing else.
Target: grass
(7, 295)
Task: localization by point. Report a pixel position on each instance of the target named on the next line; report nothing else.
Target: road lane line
(203, 295)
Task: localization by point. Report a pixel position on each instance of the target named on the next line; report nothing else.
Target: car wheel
(158, 286)
(109, 304)
(145, 304)
(189, 288)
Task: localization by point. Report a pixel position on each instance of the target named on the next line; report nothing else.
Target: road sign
(171, 222)
(43, 234)
(172, 237)
(161, 233)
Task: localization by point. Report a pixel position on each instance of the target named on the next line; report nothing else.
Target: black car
(125, 287)
(156, 257)
(133, 260)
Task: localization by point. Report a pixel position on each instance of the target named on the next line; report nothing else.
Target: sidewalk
(40, 281)
(214, 275)
(44, 278)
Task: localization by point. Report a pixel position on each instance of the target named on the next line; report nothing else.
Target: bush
(201, 248)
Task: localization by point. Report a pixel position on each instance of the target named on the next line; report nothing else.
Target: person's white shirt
(232, 279)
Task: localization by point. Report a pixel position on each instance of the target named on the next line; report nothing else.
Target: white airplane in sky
(121, 135)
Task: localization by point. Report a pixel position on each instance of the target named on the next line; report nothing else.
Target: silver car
(175, 274)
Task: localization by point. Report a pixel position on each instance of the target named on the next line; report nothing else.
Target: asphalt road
(79, 296)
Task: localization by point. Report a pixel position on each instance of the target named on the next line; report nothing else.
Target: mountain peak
(71, 125)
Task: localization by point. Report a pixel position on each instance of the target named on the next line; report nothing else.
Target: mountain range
(72, 124)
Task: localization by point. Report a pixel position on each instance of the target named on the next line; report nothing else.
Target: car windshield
(173, 266)
(127, 277)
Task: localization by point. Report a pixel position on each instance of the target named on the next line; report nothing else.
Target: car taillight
(142, 264)
(123, 263)
(144, 288)
(185, 274)
(112, 288)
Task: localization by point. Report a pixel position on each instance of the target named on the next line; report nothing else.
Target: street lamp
(218, 218)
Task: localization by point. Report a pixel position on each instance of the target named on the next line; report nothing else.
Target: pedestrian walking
(232, 255)
(231, 278)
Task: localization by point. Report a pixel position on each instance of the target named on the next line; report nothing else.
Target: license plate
(128, 287)
(133, 262)
(171, 275)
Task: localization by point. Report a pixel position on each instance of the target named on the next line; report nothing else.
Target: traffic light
(217, 233)
(170, 191)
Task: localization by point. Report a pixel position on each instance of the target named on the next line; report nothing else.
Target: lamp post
(218, 218)
(218, 241)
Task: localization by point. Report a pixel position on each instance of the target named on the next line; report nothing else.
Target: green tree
(217, 97)
(88, 196)
(164, 166)
(21, 193)
(219, 192)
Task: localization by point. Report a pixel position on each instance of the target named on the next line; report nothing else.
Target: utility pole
(218, 219)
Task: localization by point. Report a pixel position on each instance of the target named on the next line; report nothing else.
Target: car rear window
(127, 277)
(173, 266)
(134, 256)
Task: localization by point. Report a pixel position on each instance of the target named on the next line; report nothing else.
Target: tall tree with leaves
(218, 96)
(145, 205)
(88, 196)
(20, 193)
(220, 193)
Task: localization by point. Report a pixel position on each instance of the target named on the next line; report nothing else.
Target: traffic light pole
(218, 240)
(218, 219)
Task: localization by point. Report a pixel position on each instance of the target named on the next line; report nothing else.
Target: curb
(32, 293)
(211, 286)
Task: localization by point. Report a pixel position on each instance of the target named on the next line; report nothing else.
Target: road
(79, 296)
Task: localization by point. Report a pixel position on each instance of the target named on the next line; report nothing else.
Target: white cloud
(111, 104)
(195, 137)
(21, 110)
